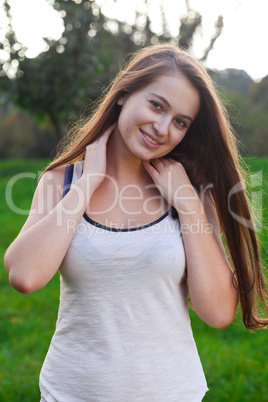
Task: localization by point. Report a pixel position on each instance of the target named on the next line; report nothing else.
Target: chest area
(126, 207)
(115, 258)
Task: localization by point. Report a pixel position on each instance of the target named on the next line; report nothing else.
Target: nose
(162, 125)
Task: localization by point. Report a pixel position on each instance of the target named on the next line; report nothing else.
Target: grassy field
(234, 360)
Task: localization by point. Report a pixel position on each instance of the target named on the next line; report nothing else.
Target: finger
(172, 161)
(157, 163)
(165, 162)
(107, 133)
(150, 169)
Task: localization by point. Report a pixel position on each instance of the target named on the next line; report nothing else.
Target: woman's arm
(210, 279)
(211, 291)
(36, 254)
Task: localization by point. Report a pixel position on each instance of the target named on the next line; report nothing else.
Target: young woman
(131, 214)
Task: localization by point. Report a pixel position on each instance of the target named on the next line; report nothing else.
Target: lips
(150, 138)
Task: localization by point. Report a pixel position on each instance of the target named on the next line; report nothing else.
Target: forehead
(178, 92)
(177, 81)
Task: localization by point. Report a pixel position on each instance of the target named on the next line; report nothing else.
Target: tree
(55, 82)
(259, 93)
(72, 72)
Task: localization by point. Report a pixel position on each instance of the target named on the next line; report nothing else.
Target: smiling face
(155, 119)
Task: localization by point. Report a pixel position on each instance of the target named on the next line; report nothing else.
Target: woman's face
(155, 119)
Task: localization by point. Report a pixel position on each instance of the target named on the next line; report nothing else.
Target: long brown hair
(208, 153)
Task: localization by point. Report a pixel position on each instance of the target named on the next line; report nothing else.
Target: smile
(149, 139)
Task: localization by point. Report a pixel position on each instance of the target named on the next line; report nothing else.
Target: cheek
(138, 116)
(123, 122)
(177, 139)
(131, 117)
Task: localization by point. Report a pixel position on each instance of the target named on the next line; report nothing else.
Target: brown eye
(181, 123)
(156, 105)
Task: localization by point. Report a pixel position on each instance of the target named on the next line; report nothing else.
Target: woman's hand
(95, 159)
(173, 183)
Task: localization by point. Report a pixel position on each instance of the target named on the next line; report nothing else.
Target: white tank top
(123, 332)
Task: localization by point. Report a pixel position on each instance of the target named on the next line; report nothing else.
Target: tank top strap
(68, 177)
(72, 173)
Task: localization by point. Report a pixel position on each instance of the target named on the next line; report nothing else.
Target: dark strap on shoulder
(68, 177)
(174, 213)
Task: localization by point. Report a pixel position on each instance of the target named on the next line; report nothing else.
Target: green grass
(234, 360)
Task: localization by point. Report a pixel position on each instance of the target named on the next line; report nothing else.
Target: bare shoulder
(54, 176)
(51, 185)
(48, 194)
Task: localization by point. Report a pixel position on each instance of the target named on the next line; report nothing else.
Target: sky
(242, 44)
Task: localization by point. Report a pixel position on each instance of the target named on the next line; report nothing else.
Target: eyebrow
(164, 100)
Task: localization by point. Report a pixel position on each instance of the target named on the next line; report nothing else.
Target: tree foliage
(70, 75)
(73, 72)
(58, 81)
(247, 103)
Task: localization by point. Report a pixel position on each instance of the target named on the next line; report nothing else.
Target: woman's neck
(123, 166)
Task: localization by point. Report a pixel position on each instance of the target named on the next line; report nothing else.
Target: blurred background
(56, 58)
